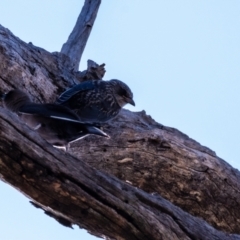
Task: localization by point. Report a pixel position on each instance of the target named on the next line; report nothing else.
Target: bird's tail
(97, 131)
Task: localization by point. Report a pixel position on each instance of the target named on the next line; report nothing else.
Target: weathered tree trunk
(157, 162)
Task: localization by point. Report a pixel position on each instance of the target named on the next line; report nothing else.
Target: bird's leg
(64, 148)
(67, 147)
(37, 127)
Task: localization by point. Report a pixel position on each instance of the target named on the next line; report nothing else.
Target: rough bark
(160, 159)
(79, 194)
(157, 159)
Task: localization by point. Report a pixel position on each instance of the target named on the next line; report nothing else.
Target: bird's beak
(130, 101)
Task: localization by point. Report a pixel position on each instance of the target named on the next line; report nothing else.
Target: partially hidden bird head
(15, 99)
(122, 93)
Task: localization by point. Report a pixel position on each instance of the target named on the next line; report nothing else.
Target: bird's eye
(123, 93)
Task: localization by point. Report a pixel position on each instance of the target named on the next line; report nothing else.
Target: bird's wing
(50, 111)
(85, 86)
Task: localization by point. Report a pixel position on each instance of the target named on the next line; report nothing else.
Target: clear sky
(180, 58)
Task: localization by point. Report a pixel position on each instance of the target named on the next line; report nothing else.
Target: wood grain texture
(77, 40)
(163, 160)
(68, 187)
(81, 189)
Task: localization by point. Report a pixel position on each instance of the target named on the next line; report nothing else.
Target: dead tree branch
(77, 40)
(104, 205)
(154, 158)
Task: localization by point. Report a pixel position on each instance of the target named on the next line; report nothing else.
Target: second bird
(97, 101)
(56, 124)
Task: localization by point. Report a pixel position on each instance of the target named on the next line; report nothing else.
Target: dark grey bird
(97, 101)
(55, 123)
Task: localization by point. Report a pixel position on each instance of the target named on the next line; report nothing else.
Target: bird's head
(122, 93)
(15, 99)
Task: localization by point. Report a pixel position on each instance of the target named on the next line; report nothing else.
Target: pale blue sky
(180, 58)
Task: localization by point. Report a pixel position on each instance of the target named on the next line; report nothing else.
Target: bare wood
(77, 40)
(152, 157)
(163, 160)
(42, 74)
(94, 72)
(96, 201)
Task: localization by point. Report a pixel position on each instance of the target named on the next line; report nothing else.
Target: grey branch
(77, 40)
(154, 158)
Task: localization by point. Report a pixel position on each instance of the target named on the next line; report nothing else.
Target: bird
(57, 124)
(97, 101)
